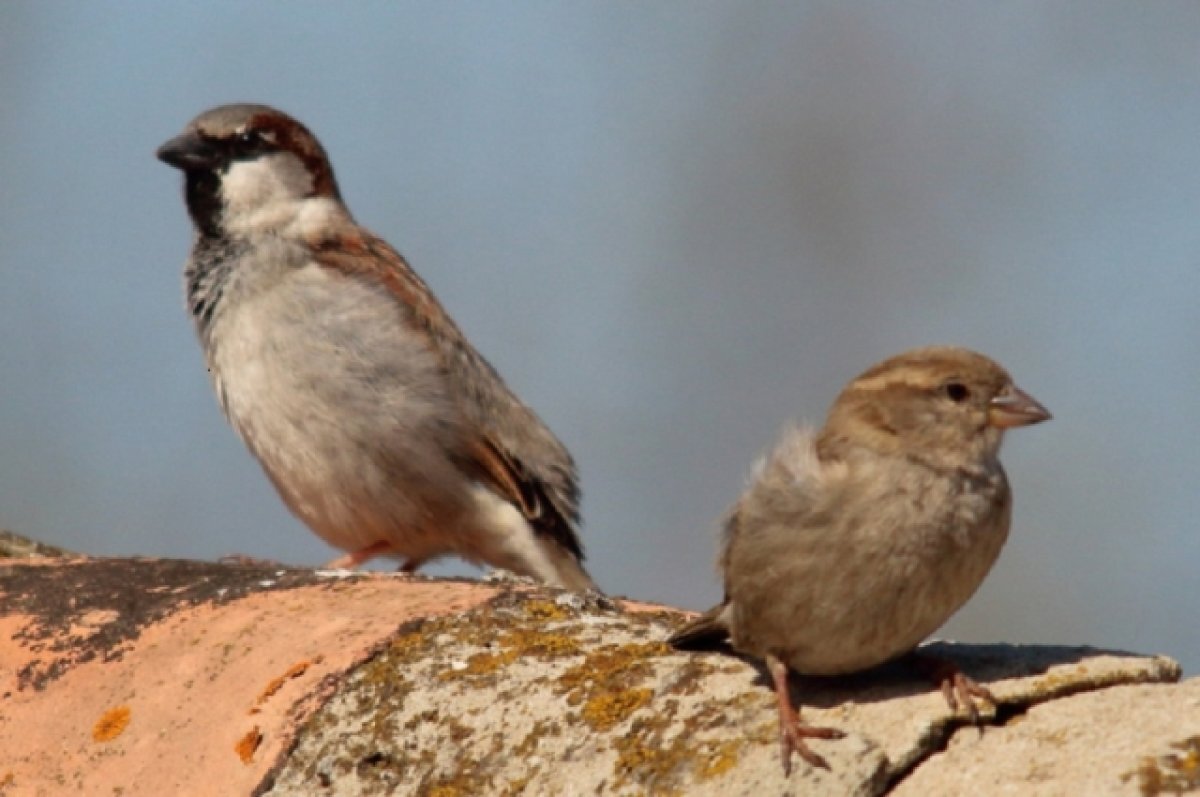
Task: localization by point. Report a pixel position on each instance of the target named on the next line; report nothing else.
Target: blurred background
(672, 227)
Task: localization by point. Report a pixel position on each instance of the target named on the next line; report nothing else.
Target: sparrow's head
(250, 168)
(943, 405)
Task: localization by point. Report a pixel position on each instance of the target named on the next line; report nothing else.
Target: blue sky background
(672, 226)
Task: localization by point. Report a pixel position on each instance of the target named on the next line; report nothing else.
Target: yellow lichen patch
(543, 610)
(611, 667)
(464, 785)
(604, 711)
(446, 790)
(295, 671)
(111, 724)
(1173, 773)
(550, 644)
(480, 664)
(660, 747)
(645, 759)
(717, 762)
(413, 642)
(247, 746)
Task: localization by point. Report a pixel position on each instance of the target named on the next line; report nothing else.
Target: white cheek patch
(316, 215)
(266, 194)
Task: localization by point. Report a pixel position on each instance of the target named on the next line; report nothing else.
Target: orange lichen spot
(111, 724)
(295, 671)
(247, 746)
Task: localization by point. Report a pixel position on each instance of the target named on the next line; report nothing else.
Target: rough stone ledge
(169, 677)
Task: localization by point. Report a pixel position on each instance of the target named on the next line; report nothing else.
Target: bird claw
(957, 687)
(791, 739)
(792, 732)
(963, 689)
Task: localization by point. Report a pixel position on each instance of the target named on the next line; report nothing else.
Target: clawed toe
(961, 689)
(957, 687)
(791, 739)
(792, 732)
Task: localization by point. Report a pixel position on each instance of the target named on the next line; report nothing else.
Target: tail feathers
(504, 537)
(569, 572)
(709, 631)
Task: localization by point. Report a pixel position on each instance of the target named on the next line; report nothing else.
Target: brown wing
(507, 477)
(515, 453)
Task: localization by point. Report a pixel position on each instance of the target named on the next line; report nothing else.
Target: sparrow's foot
(957, 687)
(353, 559)
(792, 732)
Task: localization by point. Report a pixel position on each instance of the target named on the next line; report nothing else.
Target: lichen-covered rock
(164, 677)
(1139, 741)
(539, 693)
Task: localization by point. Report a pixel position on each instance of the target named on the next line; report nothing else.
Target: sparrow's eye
(248, 141)
(956, 392)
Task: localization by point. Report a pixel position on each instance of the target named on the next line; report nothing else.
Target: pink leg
(956, 686)
(353, 559)
(792, 732)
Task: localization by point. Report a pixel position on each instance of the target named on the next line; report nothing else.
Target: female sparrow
(854, 543)
(377, 421)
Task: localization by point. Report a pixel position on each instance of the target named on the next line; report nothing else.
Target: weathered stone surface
(543, 694)
(160, 677)
(1127, 740)
(909, 719)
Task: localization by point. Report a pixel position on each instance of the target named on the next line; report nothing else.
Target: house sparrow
(853, 543)
(380, 425)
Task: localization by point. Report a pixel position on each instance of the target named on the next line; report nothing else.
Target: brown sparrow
(853, 543)
(380, 425)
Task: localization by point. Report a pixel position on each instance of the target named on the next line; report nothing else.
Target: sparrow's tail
(709, 631)
(568, 571)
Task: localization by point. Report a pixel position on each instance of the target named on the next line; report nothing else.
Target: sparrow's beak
(1015, 407)
(188, 152)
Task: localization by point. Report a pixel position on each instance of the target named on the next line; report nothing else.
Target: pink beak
(1015, 407)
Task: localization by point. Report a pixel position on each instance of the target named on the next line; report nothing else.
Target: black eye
(956, 392)
(248, 142)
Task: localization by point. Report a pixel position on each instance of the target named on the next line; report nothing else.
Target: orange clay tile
(136, 676)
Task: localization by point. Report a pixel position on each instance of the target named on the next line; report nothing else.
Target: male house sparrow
(379, 424)
(854, 543)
